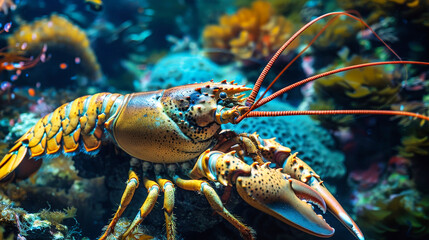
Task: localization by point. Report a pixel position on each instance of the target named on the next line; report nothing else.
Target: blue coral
(184, 68)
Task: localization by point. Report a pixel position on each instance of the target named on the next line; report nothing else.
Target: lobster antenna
(330, 112)
(336, 112)
(257, 86)
(294, 59)
(315, 77)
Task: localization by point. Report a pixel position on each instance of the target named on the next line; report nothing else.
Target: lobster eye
(222, 95)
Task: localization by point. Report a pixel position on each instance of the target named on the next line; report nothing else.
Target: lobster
(175, 135)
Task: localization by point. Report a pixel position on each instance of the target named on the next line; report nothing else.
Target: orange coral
(58, 33)
(250, 33)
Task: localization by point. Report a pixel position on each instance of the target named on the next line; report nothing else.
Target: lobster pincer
(266, 189)
(293, 168)
(298, 169)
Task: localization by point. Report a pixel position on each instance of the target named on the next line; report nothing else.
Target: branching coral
(250, 33)
(67, 45)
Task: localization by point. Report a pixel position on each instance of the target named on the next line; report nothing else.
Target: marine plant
(367, 88)
(340, 33)
(414, 140)
(68, 47)
(254, 32)
(414, 10)
(394, 208)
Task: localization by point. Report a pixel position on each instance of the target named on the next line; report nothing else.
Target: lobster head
(203, 104)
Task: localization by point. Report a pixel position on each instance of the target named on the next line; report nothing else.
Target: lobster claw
(298, 169)
(335, 208)
(284, 198)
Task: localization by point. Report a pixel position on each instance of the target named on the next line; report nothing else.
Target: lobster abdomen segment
(71, 127)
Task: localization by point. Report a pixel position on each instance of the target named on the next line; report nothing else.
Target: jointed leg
(215, 202)
(146, 208)
(168, 189)
(132, 184)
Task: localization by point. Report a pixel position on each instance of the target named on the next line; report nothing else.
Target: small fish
(31, 92)
(7, 26)
(5, 86)
(95, 5)
(63, 66)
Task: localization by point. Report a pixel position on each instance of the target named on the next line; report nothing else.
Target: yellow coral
(365, 88)
(336, 35)
(250, 33)
(369, 88)
(57, 32)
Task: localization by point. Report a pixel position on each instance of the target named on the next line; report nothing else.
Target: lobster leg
(216, 203)
(168, 189)
(132, 184)
(146, 208)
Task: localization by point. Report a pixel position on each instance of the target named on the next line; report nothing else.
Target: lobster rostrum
(175, 135)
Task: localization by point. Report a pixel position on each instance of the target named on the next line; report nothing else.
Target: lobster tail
(75, 126)
(18, 164)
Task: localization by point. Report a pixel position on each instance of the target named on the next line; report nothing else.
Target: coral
(56, 217)
(250, 33)
(301, 134)
(20, 224)
(67, 45)
(394, 208)
(366, 88)
(25, 122)
(137, 234)
(182, 68)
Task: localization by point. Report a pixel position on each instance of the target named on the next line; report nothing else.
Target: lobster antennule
(254, 93)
